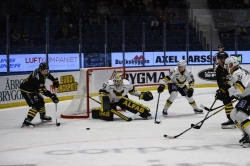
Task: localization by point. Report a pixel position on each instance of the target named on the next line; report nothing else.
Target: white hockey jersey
(116, 93)
(240, 82)
(179, 79)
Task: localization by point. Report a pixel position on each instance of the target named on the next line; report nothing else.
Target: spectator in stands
(154, 24)
(183, 5)
(15, 37)
(132, 9)
(26, 39)
(140, 10)
(94, 17)
(67, 9)
(85, 18)
(64, 31)
(158, 7)
(29, 8)
(125, 8)
(241, 31)
(58, 9)
(149, 9)
(246, 4)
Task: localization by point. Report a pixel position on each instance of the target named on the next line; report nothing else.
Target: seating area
(30, 16)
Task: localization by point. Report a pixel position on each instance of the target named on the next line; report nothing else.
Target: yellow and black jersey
(35, 83)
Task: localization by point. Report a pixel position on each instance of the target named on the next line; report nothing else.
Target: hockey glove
(54, 98)
(190, 92)
(161, 88)
(146, 96)
(56, 83)
(221, 94)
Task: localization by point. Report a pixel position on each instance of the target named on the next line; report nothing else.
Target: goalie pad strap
(121, 115)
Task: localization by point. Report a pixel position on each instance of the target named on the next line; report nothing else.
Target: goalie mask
(118, 79)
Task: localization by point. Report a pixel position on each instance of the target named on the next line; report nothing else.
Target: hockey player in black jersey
(222, 93)
(32, 89)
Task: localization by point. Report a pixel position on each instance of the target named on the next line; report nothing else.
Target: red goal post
(90, 81)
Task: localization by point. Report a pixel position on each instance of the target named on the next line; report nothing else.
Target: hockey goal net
(90, 82)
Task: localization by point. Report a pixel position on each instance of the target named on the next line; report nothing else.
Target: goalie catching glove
(146, 96)
(190, 92)
(56, 83)
(161, 88)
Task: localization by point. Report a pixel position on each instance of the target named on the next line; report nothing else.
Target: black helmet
(220, 46)
(222, 55)
(43, 66)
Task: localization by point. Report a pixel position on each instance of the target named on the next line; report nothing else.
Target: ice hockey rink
(120, 143)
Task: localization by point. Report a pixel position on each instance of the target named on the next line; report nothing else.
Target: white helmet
(118, 79)
(182, 63)
(230, 62)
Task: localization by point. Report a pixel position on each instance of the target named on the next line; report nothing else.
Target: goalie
(115, 93)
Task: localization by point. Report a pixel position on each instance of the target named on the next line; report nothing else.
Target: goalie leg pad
(95, 112)
(105, 103)
(132, 106)
(108, 115)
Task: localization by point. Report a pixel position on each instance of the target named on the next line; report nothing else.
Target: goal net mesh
(90, 82)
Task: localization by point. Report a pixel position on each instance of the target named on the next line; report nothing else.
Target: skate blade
(28, 126)
(246, 145)
(228, 127)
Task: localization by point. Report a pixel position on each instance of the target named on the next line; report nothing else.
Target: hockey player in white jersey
(240, 89)
(176, 82)
(115, 93)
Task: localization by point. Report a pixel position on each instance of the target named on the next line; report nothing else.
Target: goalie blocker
(123, 103)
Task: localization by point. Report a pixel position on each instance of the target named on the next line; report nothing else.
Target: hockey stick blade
(170, 137)
(157, 122)
(204, 107)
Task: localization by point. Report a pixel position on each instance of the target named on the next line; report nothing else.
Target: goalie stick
(157, 122)
(128, 119)
(176, 136)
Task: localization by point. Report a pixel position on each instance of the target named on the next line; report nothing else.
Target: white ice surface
(120, 143)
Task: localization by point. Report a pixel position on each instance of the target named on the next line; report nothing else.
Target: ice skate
(165, 111)
(27, 123)
(246, 143)
(45, 118)
(244, 138)
(228, 125)
(198, 111)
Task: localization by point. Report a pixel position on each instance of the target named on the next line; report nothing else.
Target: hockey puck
(87, 128)
(165, 136)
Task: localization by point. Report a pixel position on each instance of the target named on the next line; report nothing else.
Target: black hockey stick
(57, 124)
(204, 107)
(157, 122)
(120, 114)
(199, 126)
(176, 136)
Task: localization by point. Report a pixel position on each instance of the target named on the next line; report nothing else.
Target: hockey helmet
(222, 55)
(43, 66)
(230, 62)
(182, 63)
(118, 79)
(220, 46)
